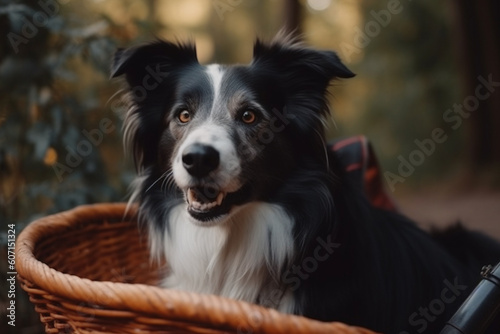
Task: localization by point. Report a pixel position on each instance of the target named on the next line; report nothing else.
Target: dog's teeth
(193, 201)
(191, 196)
(203, 206)
(219, 199)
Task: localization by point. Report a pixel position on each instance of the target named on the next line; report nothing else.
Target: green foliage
(54, 92)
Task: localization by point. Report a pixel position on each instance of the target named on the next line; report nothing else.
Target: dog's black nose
(199, 159)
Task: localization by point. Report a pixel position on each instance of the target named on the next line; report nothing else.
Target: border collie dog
(239, 192)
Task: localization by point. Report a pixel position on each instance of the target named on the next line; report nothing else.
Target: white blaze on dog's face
(207, 157)
(206, 165)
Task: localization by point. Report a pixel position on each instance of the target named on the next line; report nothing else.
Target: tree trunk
(292, 16)
(479, 35)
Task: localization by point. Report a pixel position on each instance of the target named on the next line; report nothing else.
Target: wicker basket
(87, 271)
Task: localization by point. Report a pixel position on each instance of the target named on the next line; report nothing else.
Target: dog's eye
(184, 116)
(248, 117)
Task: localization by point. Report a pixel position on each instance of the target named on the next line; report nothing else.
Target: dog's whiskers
(168, 180)
(166, 174)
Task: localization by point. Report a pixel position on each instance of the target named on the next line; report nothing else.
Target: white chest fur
(240, 258)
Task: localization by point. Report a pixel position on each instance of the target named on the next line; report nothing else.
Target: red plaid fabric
(359, 161)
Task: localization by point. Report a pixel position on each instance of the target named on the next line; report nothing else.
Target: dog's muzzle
(205, 200)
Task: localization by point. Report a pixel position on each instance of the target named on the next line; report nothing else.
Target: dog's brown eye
(184, 116)
(248, 117)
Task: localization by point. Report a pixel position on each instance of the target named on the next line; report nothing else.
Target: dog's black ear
(289, 56)
(151, 60)
(303, 75)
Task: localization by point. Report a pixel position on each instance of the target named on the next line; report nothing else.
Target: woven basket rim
(148, 299)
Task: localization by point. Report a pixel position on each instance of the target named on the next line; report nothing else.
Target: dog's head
(221, 136)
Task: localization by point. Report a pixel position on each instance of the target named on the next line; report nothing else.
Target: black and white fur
(239, 193)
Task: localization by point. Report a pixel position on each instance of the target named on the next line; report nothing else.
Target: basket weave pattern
(87, 270)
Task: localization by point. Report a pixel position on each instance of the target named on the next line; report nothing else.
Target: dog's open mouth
(209, 204)
(204, 199)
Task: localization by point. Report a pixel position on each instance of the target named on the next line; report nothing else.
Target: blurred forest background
(60, 116)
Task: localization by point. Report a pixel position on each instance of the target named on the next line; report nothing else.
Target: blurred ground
(478, 209)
